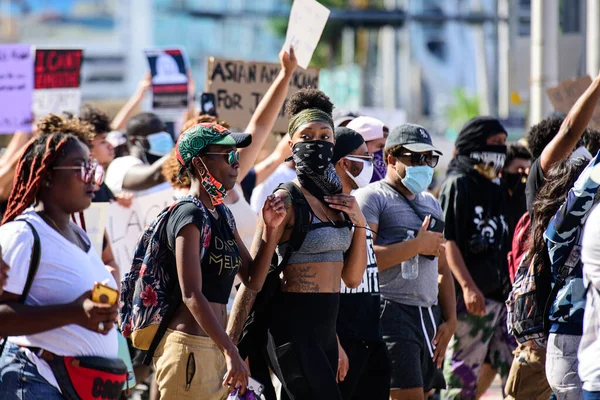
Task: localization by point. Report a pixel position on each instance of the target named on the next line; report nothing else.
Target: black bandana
(314, 169)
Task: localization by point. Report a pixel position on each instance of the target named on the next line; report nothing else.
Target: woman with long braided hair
(55, 178)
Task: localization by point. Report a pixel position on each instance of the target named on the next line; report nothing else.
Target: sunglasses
(363, 158)
(232, 157)
(89, 173)
(421, 159)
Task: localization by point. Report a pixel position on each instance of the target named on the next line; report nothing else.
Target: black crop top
(221, 257)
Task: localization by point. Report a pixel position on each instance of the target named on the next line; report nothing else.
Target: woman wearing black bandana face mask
(304, 327)
(475, 204)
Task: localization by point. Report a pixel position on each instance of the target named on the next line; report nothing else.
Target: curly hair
(172, 172)
(552, 195)
(308, 98)
(202, 119)
(541, 134)
(95, 117)
(41, 154)
(54, 124)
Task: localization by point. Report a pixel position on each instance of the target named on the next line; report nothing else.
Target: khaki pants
(189, 367)
(527, 377)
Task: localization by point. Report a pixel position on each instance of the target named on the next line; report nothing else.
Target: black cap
(346, 141)
(412, 137)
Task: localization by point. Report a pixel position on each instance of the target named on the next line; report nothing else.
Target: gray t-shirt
(397, 222)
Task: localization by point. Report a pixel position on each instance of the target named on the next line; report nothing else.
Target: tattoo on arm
(239, 313)
(301, 279)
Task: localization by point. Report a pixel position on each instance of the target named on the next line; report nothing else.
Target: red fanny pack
(83, 378)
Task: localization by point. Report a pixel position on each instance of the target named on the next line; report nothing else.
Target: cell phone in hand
(436, 225)
(208, 104)
(104, 294)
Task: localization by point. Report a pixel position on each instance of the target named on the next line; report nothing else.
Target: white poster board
(16, 88)
(307, 21)
(124, 225)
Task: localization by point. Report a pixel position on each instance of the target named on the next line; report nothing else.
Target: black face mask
(314, 169)
(514, 182)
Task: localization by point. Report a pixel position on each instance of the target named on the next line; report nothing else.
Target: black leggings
(303, 346)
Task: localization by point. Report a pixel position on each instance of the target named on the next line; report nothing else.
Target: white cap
(369, 128)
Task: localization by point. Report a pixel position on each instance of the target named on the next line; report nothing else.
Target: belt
(41, 353)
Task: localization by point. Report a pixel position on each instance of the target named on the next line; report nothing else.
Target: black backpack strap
(302, 220)
(34, 263)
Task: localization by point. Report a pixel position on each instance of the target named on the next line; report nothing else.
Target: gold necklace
(325, 212)
(46, 216)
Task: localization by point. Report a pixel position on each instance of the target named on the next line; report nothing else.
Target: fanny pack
(87, 377)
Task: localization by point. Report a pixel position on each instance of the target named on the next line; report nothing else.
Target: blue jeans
(591, 395)
(20, 380)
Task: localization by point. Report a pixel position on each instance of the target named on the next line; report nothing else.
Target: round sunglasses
(232, 157)
(89, 173)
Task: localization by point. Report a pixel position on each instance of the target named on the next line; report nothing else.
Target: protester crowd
(327, 270)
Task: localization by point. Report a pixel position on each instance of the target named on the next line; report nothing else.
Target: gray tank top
(325, 242)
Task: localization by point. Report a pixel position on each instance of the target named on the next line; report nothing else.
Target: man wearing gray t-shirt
(407, 223)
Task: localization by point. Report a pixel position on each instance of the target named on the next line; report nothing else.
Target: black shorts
(408, 332)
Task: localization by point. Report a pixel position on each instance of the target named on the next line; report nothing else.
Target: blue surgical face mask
(417, 178)
(161, 143)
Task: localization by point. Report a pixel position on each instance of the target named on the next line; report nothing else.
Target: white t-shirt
(65, 273)
(245, 218)
(282, 174)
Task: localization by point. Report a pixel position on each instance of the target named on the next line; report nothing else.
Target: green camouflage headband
(306, 117)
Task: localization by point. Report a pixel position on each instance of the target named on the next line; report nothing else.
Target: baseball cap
(370, 128)
(412, 137)
(346, 141)
(341, 116)
(200, 136)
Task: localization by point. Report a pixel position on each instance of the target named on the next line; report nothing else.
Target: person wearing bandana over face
(196, 358)
(304, 346)
(514, 175)
(149, 147)
(475, 206)
(407, 224)
(364, 368)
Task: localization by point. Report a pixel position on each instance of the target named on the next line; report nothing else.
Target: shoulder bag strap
(34, 263)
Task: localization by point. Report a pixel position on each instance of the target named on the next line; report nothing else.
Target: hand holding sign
(306, 24)
(288, 60)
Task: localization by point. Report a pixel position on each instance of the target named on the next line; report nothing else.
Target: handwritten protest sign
(240, 85)
(16, 86)
(307, 21)
(124, 225)
(169, 78)
(57, 81)
(564, 96)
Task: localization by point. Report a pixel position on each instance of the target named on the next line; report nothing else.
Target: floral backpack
(150, 291)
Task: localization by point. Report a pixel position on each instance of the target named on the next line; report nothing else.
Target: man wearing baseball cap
(409, 246)
(208, 253)
(358, 324)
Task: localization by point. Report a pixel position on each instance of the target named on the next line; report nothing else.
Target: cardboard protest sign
(240, 85)
(16, 86)
(564, 96)
(305, 27)
(57, 81)
(169, 78)
(124, 225)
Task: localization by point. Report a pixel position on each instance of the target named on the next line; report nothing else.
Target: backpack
(257, 323)
(520, 242)
(150, 291)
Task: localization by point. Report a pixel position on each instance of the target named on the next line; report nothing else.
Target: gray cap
(412, 137)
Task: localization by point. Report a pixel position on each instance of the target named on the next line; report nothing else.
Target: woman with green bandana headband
(304, 348)
(196, 358)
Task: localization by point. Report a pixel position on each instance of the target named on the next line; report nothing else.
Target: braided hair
(39, 156)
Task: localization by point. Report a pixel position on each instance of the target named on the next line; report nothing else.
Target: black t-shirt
(220, 256)
(535, 181)
(358, 315)
(476, 215)
(103, 195)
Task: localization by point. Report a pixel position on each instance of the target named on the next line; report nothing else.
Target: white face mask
(364, 178)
